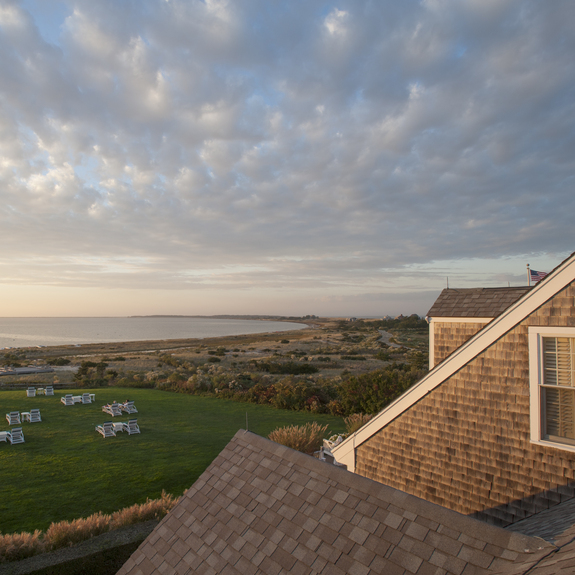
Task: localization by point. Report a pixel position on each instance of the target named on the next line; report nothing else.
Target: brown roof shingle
(475, 302)
(263, 508)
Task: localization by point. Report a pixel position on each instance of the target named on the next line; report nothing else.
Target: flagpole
(528, 276)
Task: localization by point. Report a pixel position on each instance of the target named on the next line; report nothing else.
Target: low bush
(371, 392)
(130, 382)
(289, 368)
(305, 438)
(58, 361)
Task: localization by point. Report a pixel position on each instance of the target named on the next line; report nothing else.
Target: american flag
(536, 276)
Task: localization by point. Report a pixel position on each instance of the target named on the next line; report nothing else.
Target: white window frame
(535, 340)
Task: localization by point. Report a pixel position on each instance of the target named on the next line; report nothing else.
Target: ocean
(43, 331)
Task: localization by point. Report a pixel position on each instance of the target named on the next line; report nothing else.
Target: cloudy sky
(280, 157)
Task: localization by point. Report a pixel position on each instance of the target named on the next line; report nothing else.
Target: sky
(292, 157)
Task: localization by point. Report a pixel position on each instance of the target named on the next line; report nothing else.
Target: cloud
(290, 145)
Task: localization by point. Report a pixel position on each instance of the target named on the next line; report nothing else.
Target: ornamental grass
(16, 546)
(355, 421)
(306, 438)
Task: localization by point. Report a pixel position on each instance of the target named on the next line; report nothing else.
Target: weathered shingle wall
(448, 336)
(466, 444)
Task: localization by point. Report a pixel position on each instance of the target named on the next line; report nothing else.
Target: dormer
(458, 314)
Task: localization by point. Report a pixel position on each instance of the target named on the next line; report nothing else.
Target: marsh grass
(66, 470)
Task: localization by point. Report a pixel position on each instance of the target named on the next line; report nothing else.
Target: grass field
(67, 470)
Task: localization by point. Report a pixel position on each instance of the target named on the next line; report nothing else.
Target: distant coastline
(34, 332)
(238, 317)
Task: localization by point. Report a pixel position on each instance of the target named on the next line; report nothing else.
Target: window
(552, 388)
(557, 388)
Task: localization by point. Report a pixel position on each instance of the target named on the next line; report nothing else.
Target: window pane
(559, 361)
(560, 412)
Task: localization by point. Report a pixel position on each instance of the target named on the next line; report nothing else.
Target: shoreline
(152, 345)
(186, 341)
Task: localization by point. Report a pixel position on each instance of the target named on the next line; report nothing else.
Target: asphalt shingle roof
(475, 302)
(263, 508)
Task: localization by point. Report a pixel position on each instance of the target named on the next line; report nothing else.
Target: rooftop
(475, 302)
(263, 508)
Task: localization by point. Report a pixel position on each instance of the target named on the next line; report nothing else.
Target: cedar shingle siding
(449, 336)
(466, 445)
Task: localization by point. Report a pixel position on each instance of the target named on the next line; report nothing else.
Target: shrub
(371, 392)
(302, 395)
(168, 360)
(290, 367)
(214, 359)
(58, 361)
(130, 382)
(221, 351)
(305, 438)
(355, 421)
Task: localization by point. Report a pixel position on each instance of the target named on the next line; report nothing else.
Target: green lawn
(66, 470)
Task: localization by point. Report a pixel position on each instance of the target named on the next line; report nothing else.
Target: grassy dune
(67, 470)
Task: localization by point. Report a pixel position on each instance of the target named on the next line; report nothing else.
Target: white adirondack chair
(5, 436)
(35, 416)
(86, 398)
(113, 409)
(16, 436)
(128, 407)
(131, 427)
(13, 418)
(106, 429)
(68, 399)
(49, 390)
(31, 392)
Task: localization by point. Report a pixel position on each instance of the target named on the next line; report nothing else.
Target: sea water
(41, 331)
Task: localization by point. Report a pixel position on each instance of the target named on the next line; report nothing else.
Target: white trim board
(517, 312)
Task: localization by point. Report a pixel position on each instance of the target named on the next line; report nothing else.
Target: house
(490, 431)
(488, 434)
